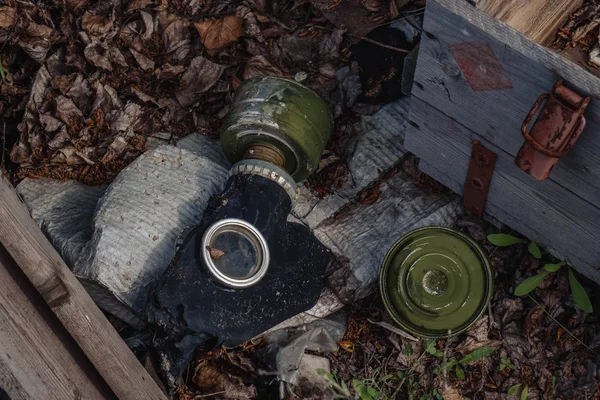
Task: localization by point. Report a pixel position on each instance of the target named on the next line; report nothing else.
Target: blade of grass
(530, 284)
(502, 239)
(534, 250)
(477, 354)
(579, 294)
(513, 389)
(562, 326)
(553, 267)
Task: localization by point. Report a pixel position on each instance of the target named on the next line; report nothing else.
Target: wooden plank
(499, 113)
(38, 358)
(557, 219)
(61, 290)
(537, 19)
(575, 74)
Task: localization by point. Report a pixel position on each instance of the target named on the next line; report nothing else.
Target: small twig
(398, 49)
(367, 40)
(393, 329)
(493, 251)
(419, 12)
(202, 396)
(445, 360)
(564, 327)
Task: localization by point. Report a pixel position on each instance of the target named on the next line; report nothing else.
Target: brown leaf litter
(88, 82)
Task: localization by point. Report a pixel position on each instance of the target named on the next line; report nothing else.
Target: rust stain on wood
(480, 66)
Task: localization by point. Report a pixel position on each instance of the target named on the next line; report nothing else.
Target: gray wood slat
(69, 301)
(38, 358)
(497, 115)
(547, 213)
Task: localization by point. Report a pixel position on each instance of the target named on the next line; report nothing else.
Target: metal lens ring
(243, 234)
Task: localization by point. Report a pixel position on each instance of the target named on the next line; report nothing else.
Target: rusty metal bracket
(556, 129)
(478, 179)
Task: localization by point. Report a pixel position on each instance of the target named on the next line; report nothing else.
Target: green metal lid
(435, 282)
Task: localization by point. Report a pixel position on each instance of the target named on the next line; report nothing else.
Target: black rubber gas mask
(244, 268)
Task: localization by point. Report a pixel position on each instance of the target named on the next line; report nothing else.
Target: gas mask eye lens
(235, 253)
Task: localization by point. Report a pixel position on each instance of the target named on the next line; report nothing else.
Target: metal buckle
(478, 179)
(556, 129)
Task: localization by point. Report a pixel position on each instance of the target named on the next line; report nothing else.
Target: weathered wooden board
(537, 19)
(38, 358)
(69, 301)
(547, 213)
(494, 108)
(575, 74)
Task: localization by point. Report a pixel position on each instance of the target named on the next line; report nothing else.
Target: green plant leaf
(513, 389)
(448, 364)
(431, 349)
(478, 354)
(408, 349)
(330, 377)
(361, 389)
(401, 375)
(553, 267)
(530, 283)
(373, 393)
(502, 239)
(388, 377)
(534, 250)
(460, 373)
(524, 393)
(579, 294)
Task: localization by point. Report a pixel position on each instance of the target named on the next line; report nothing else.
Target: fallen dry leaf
(260, 66)
(36, 40)
(116, 148)
(75, 4)
(250, 23)
(176, 39)
(144, 62)
(215, 253)
(218, 33)
(68, 113)
(346, 345)
(370, 195)
(50, 123)
(451, 393)
(60, 139)
(169, 71)
(210, 378)
(200, 76)
(137, 4)
(95, 25)
(8, 16)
